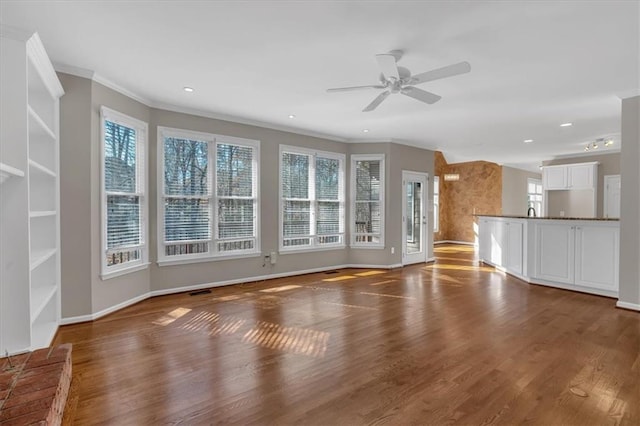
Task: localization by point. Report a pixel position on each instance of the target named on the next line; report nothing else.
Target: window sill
(128, 270)
(287, 250)
(186, 261)
(367, 247)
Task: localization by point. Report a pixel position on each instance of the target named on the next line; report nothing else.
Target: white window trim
(142, 145)
(213, 254)
(367, 157)
(341, 199)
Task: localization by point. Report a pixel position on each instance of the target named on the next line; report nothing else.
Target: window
(312, 199)
(203, 211)
(124, 197)
(436, 204)
(367, 193)
(534, 195)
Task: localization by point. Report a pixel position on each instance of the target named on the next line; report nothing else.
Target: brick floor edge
(34, 386)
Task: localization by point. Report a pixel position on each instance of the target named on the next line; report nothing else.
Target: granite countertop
(550, 217)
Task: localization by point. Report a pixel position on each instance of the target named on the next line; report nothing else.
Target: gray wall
(514, 191)
(629, 292)
(85, 293)
(75, 196)
(609, 165)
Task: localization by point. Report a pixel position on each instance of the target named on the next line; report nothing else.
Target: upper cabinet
(570, 176)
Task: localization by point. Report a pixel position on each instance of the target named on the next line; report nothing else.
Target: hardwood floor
(447, 343)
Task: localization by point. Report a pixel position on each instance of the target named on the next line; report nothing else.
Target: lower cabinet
(501, 243)
(554, 252)
(571, 254)
(597, 257)
(585, 255)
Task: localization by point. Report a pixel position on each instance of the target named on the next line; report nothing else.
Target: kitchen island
(580, 254)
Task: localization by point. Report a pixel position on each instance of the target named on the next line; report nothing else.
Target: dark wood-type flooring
(453, 342)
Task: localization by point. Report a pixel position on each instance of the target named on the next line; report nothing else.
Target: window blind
(187, 196)
(368, 224)
(312, 199)
(123, 174)
(236, 191)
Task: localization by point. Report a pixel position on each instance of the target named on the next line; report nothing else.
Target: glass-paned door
(414, 217)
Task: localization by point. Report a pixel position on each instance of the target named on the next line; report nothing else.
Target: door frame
(406, 175)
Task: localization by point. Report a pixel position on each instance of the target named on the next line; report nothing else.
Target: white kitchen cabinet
(582, 176)
(597, 254)
(501, 242)
(484, 238)
(554, 177)
(555, 251)
(514, 253)
(570, 176)
(29, 201)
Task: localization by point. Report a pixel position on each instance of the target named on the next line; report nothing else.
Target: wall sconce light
(451, 176)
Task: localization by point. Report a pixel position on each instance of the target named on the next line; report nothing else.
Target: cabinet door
(554, 178)
(498, 242)
(513, 261)
(554, 252)
(484, 239)
(597, 257)
(580, 176)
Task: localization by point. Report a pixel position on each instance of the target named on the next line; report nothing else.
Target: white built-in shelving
(29, 220)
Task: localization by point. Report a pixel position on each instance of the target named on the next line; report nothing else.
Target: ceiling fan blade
(421, 95)
(448, 71)
(377, 101)
(388, 66)
(347, 89)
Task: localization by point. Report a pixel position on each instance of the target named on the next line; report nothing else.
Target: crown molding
(243, 120)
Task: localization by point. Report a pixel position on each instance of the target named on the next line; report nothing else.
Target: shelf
(42, 334)
(38, 257)
(40, 297)
(7, 171)
(44, 213)
(41, 127)
(39, 167)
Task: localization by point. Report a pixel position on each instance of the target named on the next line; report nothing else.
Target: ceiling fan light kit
(395, 79)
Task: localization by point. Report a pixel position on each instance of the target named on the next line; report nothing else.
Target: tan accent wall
(478, 191)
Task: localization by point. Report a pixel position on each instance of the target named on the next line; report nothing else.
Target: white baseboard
(627, 305)
(464, 243)
(174, 290)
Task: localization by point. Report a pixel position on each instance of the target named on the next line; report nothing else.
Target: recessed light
(187, 89)
(608, 142)
(365, 130)
(566, 125)
(292, 116)
(528, 140)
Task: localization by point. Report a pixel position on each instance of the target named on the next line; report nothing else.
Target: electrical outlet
(273, 257)
(393, 250)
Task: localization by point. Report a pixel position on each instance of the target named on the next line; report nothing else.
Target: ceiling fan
(395, 79)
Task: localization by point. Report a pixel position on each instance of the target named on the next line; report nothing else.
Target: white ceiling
(535, 65)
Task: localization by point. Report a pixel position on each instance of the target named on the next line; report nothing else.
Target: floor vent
(331, 272)
(199, 292)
